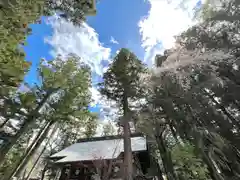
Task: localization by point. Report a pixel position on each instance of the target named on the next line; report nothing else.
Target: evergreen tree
(75, 10)
(188, 105)
(121, 83)
(63, 96)
(188, 165)
(15, 17)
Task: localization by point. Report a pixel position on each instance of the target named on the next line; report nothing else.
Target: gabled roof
(100, 149)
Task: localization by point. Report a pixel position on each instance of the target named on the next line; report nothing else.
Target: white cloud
(80, 40)
(108, 108)
(165, 19)
(113, 40)
(96, 96)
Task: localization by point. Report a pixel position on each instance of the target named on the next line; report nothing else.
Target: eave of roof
(100, 149)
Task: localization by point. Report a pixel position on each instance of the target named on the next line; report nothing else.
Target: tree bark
(5, 149)
(34, 165)
(4, 123)
(223, 109)
(31, 150)
(226, 126)
(41, 153)
(43, 173)
(128, 167)
(155, 164)
(27, 123)
(213, 171)
(166, 159)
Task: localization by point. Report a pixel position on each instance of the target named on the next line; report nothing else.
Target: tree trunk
(158, 169)
(32, 149)
(154, 159)
(166, 159)
(35, 163)
(33, 167)
(4, 123)
(43, 173)
(174, 133)
(223, 109)
(212, 169)
(196, 139)
(226, 126)
(128, 167)
(27, 123)
(58, 174)
(5, 149)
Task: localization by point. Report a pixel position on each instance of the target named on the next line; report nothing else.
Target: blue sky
(123, 27)
(119, 19)
(145, 27)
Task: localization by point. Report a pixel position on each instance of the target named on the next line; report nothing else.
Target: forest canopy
(187, 105)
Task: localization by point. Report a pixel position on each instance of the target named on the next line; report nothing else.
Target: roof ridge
(100, 138)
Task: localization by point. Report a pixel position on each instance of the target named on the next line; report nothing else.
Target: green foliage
(108, 129)
(214, 10)
(62, 97)
(196, 102)
(10, 160)
(91, 126)
(15, 154)
(121, 83)
(74, 11)
(68, 82)
(219, 130)
(63, 93)
(194, 113)
(123, 77)
(14, 19)
(188, 165)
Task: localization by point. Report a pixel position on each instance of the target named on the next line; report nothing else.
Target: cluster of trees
(191, 111)
(189, 108)
(43, 117)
